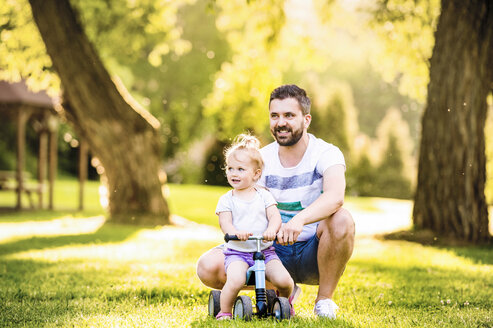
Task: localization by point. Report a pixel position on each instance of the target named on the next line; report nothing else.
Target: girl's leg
(236, 277)
(277, 274)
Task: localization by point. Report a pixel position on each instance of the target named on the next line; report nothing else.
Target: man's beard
(289, 140)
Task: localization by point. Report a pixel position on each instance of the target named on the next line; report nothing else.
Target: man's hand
(289, 232)
(269, 234)
(243, 235)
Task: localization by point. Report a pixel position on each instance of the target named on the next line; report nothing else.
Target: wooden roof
(18, 93)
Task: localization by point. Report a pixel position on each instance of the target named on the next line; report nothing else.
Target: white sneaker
(326, 308)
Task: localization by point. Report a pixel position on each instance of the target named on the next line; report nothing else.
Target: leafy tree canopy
(118, 37)
(406, 29)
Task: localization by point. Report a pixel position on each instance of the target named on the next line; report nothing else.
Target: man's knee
(339, 226)
(210, 270)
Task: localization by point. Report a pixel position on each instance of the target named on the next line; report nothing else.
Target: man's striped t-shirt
(295, 188)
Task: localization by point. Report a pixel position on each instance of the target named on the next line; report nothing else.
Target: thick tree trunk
(450, 196)
(122, 136)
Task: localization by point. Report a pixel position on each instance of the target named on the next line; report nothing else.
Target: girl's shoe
(224, 316)
(295, 294)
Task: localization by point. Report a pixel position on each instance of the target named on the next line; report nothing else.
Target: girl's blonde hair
(248, 143)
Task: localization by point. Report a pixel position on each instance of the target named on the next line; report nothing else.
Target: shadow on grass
(106, 234)
(479, 254)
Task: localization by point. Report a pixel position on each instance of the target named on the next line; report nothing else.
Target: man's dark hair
(292, 91)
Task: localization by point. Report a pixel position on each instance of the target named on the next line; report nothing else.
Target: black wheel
(271, 296)
(214, 302)
(243, 308)
(281, 309)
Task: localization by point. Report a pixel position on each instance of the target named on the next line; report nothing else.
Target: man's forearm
(320, 209)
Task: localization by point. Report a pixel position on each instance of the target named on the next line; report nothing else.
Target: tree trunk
(450, 196)
(122, 136)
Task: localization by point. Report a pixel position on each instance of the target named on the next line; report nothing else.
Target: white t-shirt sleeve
(224, 204)
(267, 197)
(331, 156)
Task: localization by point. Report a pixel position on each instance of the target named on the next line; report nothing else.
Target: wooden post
(53, 140)
(42, 161)
(82, 171)
(21, 150)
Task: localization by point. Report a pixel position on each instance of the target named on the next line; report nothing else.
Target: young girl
(245, 211)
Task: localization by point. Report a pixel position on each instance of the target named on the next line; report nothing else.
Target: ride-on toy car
(267, 302)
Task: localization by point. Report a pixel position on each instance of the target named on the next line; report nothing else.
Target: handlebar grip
(228, 237)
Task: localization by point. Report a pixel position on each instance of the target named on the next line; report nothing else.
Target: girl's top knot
(247, 141)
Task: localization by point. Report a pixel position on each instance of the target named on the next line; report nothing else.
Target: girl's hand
(269, 234)
(243, 235)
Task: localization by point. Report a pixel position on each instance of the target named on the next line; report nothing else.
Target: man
(306, 177)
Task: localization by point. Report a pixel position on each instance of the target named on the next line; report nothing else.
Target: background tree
(121, 134)
(450, 195)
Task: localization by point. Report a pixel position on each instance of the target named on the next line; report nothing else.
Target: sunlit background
(205, 70)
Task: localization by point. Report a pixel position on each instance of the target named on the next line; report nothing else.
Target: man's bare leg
(335, 247)
(210, 268)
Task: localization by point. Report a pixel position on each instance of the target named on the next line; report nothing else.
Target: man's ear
(308, 120)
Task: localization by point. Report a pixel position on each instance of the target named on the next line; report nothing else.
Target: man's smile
(283, 131)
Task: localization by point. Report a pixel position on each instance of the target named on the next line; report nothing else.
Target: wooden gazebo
(21, 106)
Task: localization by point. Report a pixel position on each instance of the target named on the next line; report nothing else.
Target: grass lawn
(68, 268)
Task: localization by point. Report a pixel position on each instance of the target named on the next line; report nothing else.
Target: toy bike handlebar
(228, 237)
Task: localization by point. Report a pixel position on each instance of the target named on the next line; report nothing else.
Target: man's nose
(281, 121)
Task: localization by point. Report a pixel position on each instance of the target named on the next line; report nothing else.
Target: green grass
(66, 268)
(197, 203)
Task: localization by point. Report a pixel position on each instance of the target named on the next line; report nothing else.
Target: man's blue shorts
(300, 259)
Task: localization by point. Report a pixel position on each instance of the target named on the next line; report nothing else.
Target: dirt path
(391, 216)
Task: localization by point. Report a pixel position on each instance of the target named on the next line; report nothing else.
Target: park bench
(8, 182)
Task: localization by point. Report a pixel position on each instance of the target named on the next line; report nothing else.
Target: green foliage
(22, 51)
(373, 96)
(384, 167)
(406, 28)
(176, 89)
(333, 114)
(205, 68)
(120, 34)
(361, 176)
(166, 54)
(214, 173)
(392, 181)
(268, 39)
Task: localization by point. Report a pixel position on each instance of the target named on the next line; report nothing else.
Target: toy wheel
(214, 302)
(281, 309)
(243, 308)
(271, 296)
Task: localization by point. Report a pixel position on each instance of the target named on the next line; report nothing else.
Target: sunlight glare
(57, 227)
